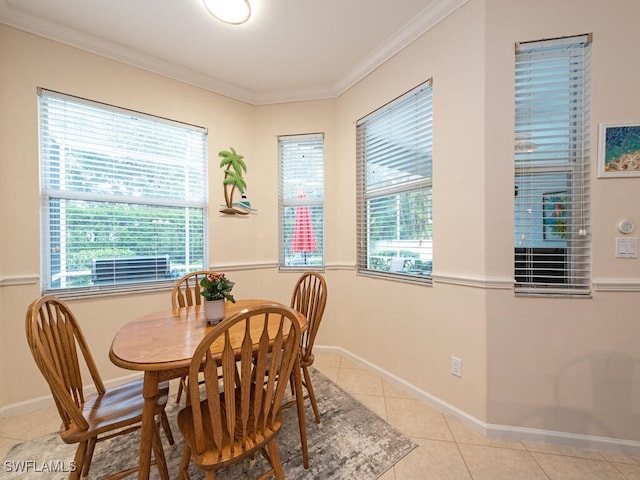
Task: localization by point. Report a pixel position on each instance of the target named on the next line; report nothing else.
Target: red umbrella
(304, 240)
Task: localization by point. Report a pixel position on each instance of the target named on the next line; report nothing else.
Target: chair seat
(118, 407)
(224, 455)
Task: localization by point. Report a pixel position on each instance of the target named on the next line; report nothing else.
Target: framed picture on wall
(619, 150)
(554, 216)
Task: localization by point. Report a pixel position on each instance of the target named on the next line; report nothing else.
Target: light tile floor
(447, 449)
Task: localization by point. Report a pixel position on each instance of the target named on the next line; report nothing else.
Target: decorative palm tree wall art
(234, 166)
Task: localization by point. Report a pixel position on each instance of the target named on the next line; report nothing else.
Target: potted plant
(216, 288)
(234, 167)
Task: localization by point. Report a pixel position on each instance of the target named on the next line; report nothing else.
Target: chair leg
(181, 386)
(183, 471)
(79, 460)
(276, 463)
(166, 427)
(312, 395)
(299, 402)
(88, 456)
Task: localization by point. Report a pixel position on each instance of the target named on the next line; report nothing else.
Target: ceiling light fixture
(234, 12)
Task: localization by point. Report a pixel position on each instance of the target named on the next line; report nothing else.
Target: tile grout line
(618, 470)
(537, 462)
(464, 460)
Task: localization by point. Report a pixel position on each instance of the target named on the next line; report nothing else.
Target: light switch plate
(627, 247)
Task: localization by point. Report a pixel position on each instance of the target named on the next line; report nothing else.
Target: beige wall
(432, 324)
(565, 365)
(555, 365)
(26, 62)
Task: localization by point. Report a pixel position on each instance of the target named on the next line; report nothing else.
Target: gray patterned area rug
(353, 444)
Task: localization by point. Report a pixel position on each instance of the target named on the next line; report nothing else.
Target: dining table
(161, 345)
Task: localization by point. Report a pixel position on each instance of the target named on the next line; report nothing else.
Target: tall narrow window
(394, 183)
(552, 160)
(301, 201)
(123, 196)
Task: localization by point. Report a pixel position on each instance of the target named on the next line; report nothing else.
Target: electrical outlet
(456, 366)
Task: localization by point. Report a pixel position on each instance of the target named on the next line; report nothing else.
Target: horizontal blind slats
(124, 195)
(394, 202)
(552, 157)
(301, 200)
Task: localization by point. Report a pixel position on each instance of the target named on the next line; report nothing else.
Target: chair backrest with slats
(186, 291)
(55, 338)
(310, 298)
(258, 343)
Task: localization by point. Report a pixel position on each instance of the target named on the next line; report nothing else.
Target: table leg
(297, 380)
(158, 453)
(150, 393)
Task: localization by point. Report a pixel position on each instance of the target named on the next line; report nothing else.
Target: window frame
(552, 161)
(291, 148)
(95, 154)
(414, 186)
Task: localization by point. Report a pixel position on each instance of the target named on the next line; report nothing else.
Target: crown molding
(418, 26)
(425, 21)
(437, 11)
(114, 51)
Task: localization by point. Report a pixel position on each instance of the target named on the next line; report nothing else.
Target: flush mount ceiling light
(233, 12)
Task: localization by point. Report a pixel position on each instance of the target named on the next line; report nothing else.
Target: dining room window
(301, 201)
(394, 188)
(123, 197)
(552, 241)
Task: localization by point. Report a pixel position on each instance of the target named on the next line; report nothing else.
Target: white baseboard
(500, 432)
(492, 431)
(563, 439)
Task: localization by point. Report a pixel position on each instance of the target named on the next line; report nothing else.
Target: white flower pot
(214, 311)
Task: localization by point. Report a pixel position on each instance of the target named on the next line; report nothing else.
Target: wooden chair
(309, 298)
(56, 340)
(239, 416)
(185, 293)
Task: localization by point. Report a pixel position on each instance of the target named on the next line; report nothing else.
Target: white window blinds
(394, 188)
(124, 196)
(552, 166)
(301, 201)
